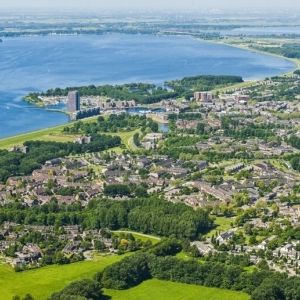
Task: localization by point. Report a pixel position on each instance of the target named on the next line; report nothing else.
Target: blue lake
(38, 63)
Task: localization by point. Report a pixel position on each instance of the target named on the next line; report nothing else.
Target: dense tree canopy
(80, 290)
(261, 285)
(291, 50)
(149, 215)
(113, 123)
(145, 93)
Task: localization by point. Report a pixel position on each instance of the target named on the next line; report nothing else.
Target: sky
(149, 4)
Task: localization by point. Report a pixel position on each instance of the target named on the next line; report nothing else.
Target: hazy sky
(149, 4)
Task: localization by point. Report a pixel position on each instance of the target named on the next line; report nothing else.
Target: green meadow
(41, 283)
(164, 290)
(222, 224)
(140, 236)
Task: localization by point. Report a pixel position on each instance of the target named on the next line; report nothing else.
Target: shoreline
(296, 63)
(8, 141)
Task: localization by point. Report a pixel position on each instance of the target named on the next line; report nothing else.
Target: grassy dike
(55, 134)
(48, 134)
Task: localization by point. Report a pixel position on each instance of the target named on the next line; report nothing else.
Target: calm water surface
(38, 63)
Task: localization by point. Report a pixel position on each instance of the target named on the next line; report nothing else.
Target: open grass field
(141, 236)
(127, 140)
(164, 290)
(41, 283)
(222, 223)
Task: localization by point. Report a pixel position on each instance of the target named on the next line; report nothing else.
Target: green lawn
(182, 255)
(250, 269)
(127, 140)
(141, 236)
(41, 283)
(223, 224)
(164, 290)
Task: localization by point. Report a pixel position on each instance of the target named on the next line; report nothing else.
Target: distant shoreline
(295, 61)
(212, 41)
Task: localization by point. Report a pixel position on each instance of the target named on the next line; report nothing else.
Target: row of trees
(294, 141)
(234, 128)
(86, 289)
(127, 190)
(148, 215)
(220, 270)
(288, 50)
(260, 284)
(187, 85)
(295, 159)
(130, 272)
